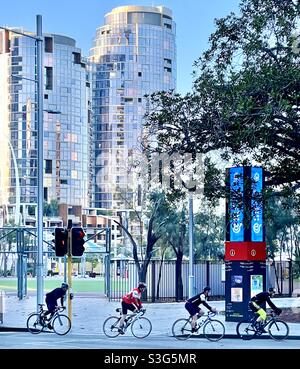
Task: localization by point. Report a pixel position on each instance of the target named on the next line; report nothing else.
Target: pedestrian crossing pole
(70, 269)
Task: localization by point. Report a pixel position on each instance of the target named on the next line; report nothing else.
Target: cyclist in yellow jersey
(256, 302)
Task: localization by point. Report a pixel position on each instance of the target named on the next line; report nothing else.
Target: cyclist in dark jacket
(53, 296)
(256, 302)
(192, 306)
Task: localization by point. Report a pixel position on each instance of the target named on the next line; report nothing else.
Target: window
(63, 181)
(144, 18)
(48, 166)
(46, 193)
(46, 96)
(140, 74)
(128, 99)
(48, 44)
(77, 58)
(49, 78)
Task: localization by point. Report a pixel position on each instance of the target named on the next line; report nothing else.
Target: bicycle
(277, 329)
(213, 329)
(141, 327)
(37, 322)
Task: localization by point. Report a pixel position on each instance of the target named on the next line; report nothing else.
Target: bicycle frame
(267, 322)
(43, 317)
(203, 322)
(131, 318)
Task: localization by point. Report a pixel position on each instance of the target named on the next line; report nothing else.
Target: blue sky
(79, 19)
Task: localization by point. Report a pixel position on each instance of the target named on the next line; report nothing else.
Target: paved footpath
(89, 312)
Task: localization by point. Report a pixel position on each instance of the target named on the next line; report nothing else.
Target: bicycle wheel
(214, 330)
(111, 327)
(141, 327)
(182, 329)
(35, 323)
(245, 330)
(278, 330)
(61, 324)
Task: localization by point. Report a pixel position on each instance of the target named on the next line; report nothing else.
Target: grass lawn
(78, 284)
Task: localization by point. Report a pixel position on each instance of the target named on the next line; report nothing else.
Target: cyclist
(192, 306)
(51, 300)
(255, 304)
(131, 301)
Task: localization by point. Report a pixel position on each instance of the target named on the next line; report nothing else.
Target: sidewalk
(89, 314)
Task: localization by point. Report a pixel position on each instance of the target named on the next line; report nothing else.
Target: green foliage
(296, 266)
(245, 101)
(209, 235)
(93, 259)
(51, 209)
(282, 224)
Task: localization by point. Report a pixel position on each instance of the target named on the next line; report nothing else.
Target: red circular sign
(253, 252)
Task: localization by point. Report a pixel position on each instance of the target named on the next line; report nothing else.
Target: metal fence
(161, 281)
(18, 253)
(284, 276)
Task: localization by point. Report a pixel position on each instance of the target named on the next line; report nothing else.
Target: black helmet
(206, 289)
(142, 285)
(64, 285)
(271, 290)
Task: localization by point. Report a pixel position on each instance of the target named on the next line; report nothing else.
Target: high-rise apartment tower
(134, 54)
(66, 123)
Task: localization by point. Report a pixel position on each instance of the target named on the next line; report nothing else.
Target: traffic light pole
(69, 273)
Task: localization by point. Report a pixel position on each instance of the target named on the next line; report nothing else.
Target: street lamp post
(40, 136)
(40, 148)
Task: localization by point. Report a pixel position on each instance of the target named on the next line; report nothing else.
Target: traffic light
(61, 241)
(77, 241)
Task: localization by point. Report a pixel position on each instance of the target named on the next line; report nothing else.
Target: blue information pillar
(245, 247)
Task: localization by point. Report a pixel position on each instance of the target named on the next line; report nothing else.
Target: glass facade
(66, 120)
(134, 54)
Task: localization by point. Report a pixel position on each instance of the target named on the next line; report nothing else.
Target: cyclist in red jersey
(131, 301)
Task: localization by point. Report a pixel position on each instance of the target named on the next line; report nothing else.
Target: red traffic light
(61, 241)
(77, 241)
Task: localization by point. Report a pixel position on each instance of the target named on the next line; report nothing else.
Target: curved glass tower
(134, 54)
(66, 126)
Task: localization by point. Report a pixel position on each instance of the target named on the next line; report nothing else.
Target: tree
(157, 205)
(94, 260)
(246, 96)
(209, 234)
(51, 209)
(7, 242)
(282, 233)
(175, 234)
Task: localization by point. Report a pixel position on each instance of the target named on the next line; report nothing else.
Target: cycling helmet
(272, 290)
(64, 285)
(142, 285)
(206, 289)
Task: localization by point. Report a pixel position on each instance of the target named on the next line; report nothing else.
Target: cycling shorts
(191, 308)
(259, 310)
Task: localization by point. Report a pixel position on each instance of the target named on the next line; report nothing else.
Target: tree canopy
(245, 99)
